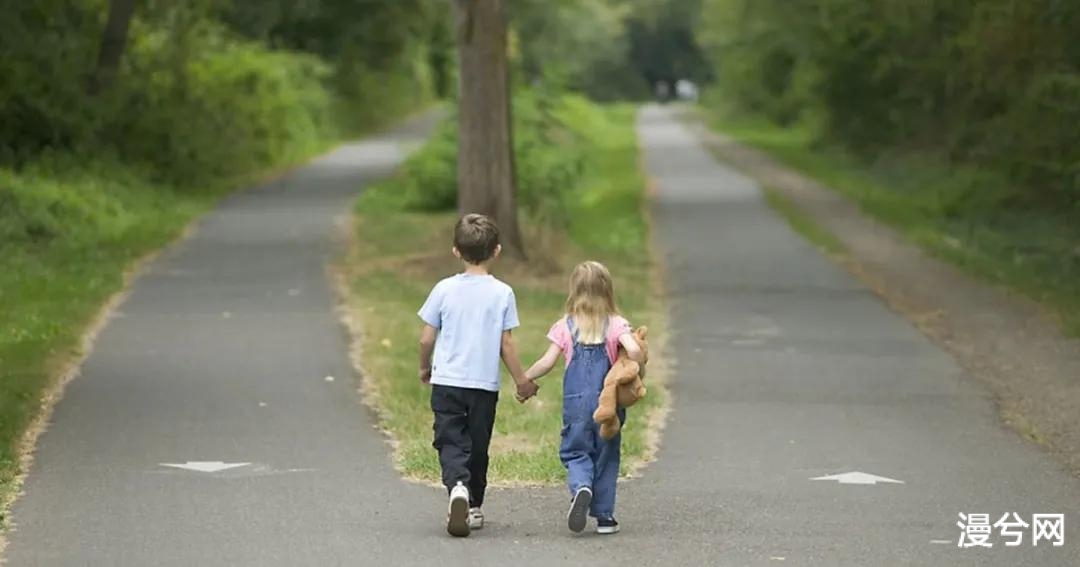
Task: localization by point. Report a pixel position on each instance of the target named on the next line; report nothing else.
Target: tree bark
(113, 43)
(485, 147)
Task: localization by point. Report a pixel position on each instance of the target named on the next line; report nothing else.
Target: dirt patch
(1004, 340)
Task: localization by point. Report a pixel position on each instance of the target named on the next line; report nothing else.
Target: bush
(987, 83)
(229, 108)
(550, 141)
(90, 182)
(192, 99)
(47, 48)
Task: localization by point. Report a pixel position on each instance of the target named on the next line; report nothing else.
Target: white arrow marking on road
(205, 466)
(856, 477)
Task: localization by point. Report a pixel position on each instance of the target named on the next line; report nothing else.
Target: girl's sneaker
(457, 518)
(606, 526)
(476, 518)
(579, 509)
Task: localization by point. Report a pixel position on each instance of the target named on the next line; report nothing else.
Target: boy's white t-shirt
(471, 312)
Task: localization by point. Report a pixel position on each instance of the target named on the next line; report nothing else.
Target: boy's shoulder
(445, 282)
(501, 285)
(456, 280)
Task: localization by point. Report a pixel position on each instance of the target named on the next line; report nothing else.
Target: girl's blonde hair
(591, 301)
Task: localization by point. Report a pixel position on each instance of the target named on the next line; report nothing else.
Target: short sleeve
(616, 329)
(619, 327)
(510, 316)
(559, 334)
(431, 311)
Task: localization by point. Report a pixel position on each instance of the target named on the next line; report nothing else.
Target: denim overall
(589, 460)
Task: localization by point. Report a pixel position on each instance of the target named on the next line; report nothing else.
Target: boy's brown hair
(476, 237)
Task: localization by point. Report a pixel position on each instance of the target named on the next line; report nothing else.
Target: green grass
(66, 238)
(399, 254)
(70, 227)
(68, 233)
(965, 215)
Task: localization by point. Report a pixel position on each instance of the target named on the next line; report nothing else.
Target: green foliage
(662, 42)
(579, 44)
(69, 226)
(549, 155)
(389, 57)
(229, 108)
(207, 95)
(48, 50)
(993, 83)
(607, 49)
(202, 91)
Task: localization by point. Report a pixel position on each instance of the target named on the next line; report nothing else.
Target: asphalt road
(786, 370)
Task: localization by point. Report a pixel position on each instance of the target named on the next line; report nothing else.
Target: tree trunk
(113, 42)
(485, 147)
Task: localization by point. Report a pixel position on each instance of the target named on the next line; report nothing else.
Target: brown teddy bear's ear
(640, 332)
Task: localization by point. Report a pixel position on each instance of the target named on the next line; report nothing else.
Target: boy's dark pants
(464, 418)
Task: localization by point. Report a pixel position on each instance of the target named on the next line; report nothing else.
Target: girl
(588, 337)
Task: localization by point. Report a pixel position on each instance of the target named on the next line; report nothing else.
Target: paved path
(787, 370)
(221, 354)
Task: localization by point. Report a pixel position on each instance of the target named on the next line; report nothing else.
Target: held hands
(525, 390)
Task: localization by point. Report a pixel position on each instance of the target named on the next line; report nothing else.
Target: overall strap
(574, 330)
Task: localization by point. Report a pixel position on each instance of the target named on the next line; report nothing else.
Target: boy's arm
(427, 347)
(525, 387)
(545, 363)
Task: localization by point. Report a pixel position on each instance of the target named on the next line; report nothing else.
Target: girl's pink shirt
(560, 336)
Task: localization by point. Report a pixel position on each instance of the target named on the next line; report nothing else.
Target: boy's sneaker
(605, 526)
(579, 509)
(457, 518)
(476, 518)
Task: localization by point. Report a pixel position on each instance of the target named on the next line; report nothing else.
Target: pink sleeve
(560, 335)
(618, 327)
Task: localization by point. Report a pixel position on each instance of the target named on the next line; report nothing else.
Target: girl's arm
(632, 349)
(546, 362)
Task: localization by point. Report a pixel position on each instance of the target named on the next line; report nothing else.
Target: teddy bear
(623, 387)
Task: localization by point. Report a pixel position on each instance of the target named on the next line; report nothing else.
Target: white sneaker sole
(607, 530)
(578, 515)
(457, 523)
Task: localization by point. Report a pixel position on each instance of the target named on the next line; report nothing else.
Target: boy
(471, 314)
